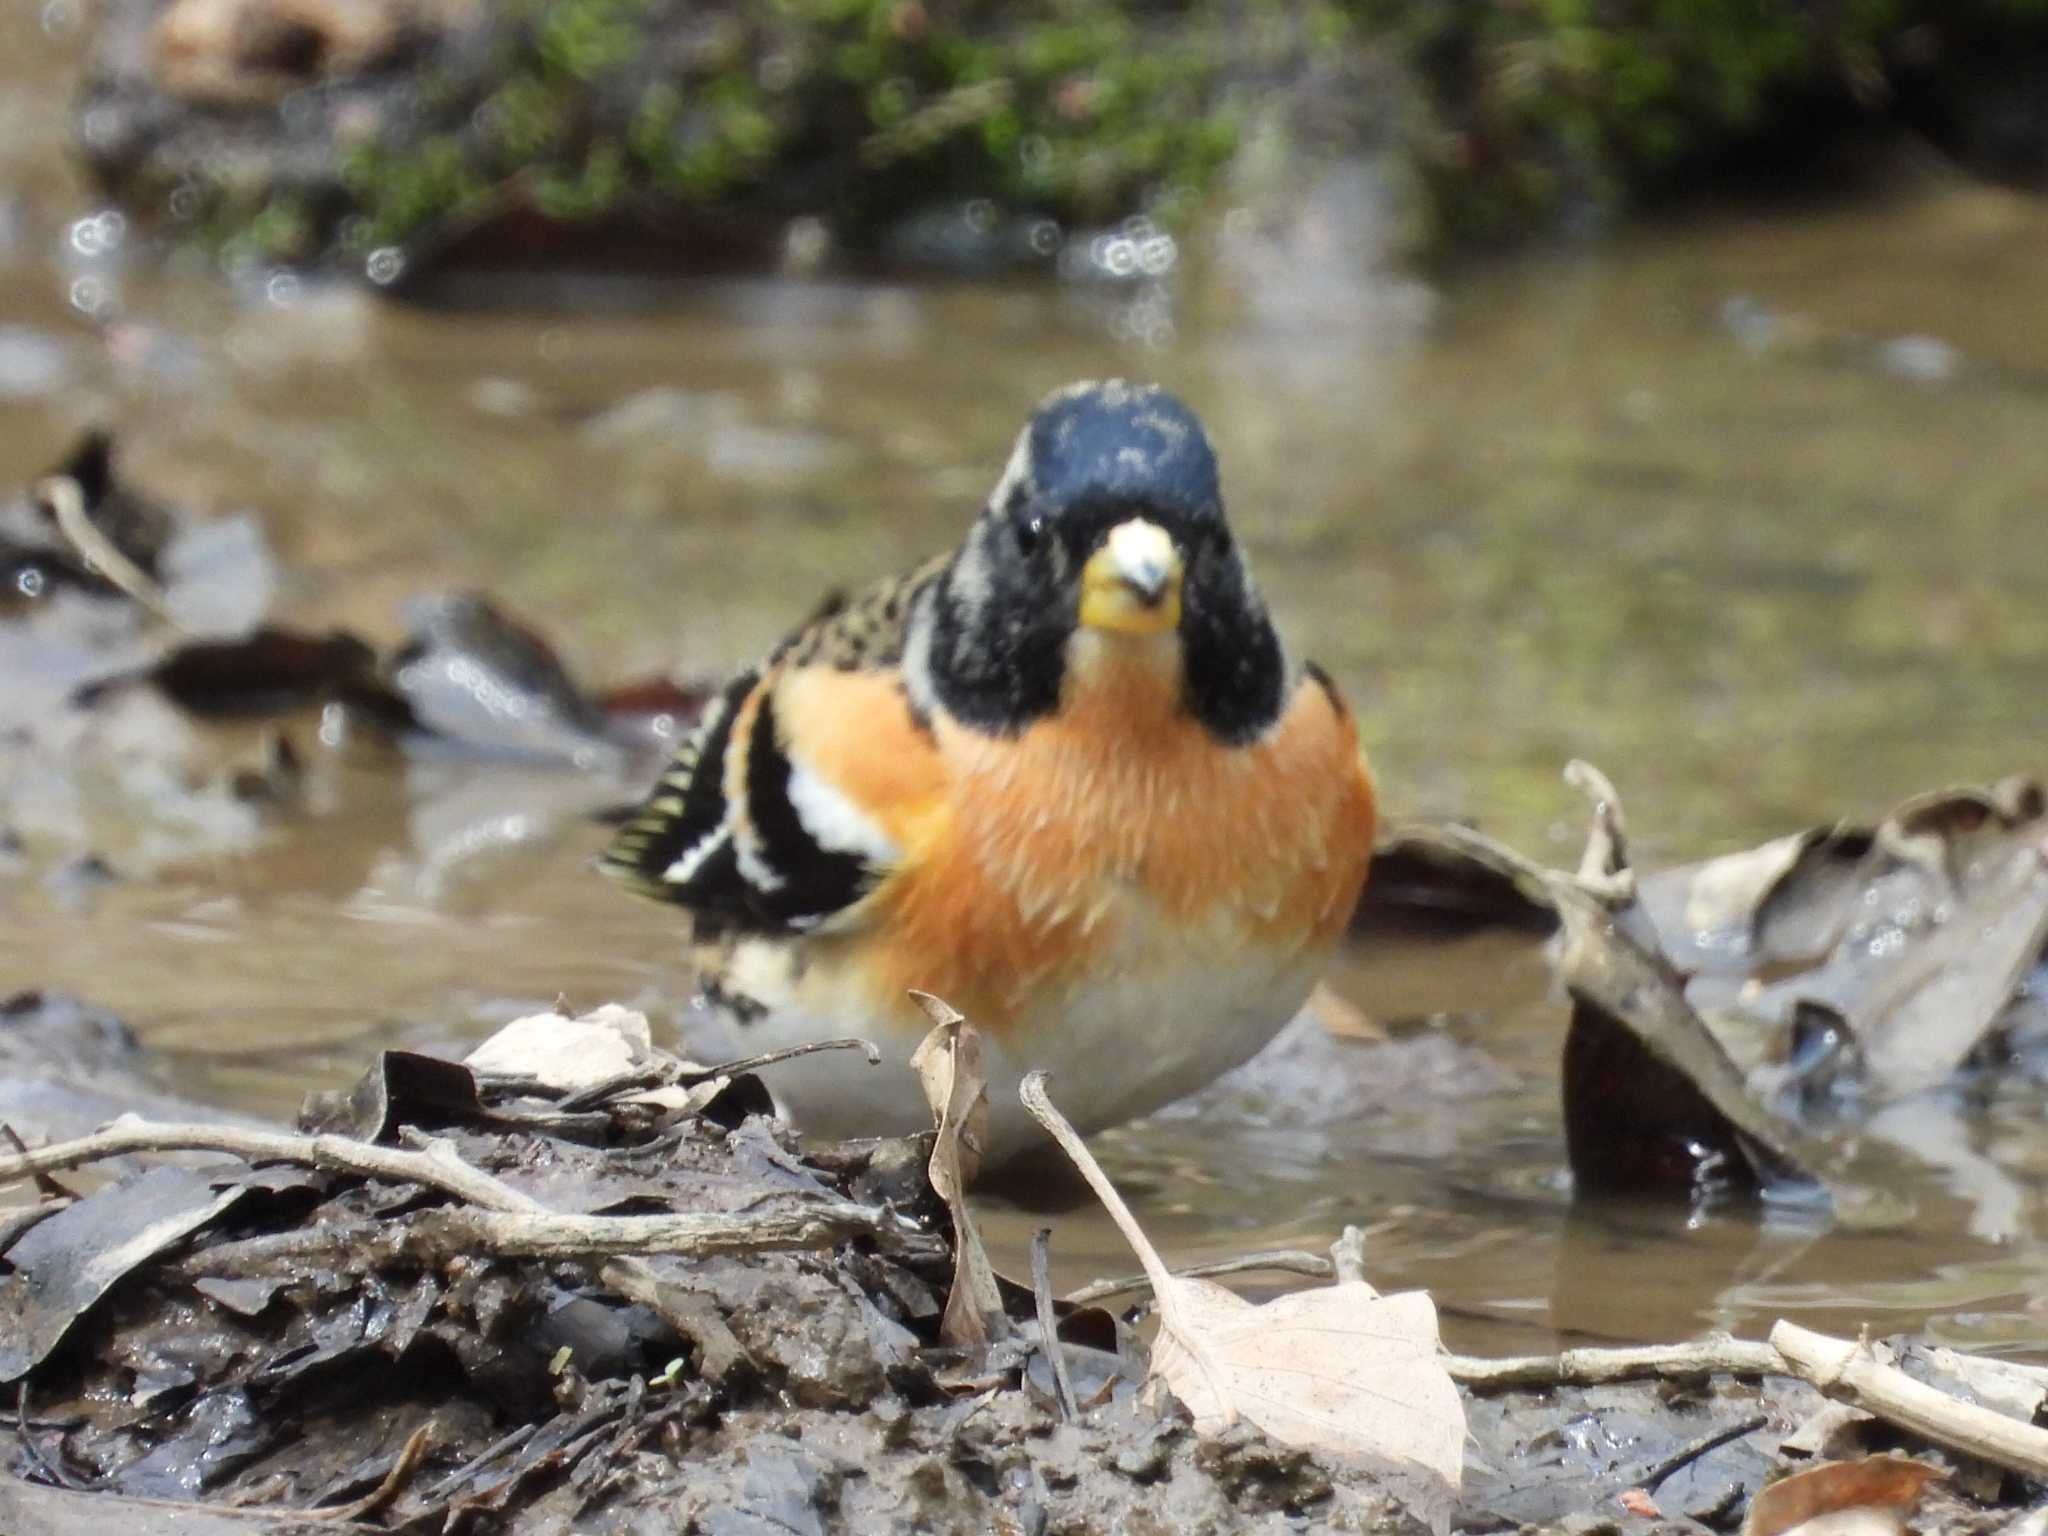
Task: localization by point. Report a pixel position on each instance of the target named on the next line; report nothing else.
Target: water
(1742, 507)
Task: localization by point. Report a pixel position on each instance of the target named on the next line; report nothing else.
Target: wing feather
(742, 828)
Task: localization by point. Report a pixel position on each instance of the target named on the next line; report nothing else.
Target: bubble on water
(62, 18)
(384, 265)
(87, 237)
(29, 582)
(90, 297)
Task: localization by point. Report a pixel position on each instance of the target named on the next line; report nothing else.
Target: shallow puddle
(1743, 508)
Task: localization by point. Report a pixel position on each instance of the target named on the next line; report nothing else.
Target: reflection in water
(1743, 511)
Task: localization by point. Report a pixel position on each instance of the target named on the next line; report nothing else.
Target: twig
(1289, 1261)
(1850, 1372)
(46, 1186)
(1048, 1325)
(477, 1463)
(435, 1166)
(327, 1240)
(379, 1498)
(1604, 872)
(66, 500)
(509, 1223)
(1597, 1367)
(1652, 1477)
(867, 1048)
(16, 1223)
(1840, 1368)
(1347, 1256)
(539, 1234)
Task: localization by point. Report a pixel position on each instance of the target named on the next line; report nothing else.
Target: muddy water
(1743, 508)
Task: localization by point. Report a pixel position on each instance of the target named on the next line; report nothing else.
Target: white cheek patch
(834, 822)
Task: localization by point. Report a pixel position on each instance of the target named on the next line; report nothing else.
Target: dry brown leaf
(1341, 1369)
(1878, 1492)
(948, 1063)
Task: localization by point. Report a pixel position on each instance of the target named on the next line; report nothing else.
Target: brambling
(1066, 778)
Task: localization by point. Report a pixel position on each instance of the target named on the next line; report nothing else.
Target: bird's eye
(1029, 530)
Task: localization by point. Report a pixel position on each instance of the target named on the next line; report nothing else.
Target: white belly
(1157, 1016)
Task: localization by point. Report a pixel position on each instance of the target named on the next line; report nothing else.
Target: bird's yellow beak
(1132, 584)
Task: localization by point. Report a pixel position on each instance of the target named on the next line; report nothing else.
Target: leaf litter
(538, 1309)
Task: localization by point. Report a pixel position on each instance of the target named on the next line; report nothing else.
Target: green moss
(1508, 115)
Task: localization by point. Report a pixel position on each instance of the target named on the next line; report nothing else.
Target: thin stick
(1032, 1091)
(379, 1498)
(1655, 1476)
(46, 1186)
(15, 1224)
(469, 1469)
(1286, 1261)
(1849, 1371)
(1597, 1367)
(509, 1224)
(867, 1048)
(435, 1166)
(1840, 1368)
(66, 501)
(1048, 1325)
(560, 1235)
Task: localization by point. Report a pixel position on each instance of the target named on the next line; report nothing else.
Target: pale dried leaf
(1341, 1369)
(1878, 1493)
(679, 1099)
(1830, 1432)
(1726, 894)
(567, 1055)
(949, 1065)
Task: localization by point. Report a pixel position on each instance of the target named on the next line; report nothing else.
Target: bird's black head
(1108, 522)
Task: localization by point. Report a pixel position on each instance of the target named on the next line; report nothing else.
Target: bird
(1066, 777)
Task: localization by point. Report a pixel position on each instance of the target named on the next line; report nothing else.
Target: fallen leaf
(567, 1055)
(1878, 1493)
(63, 1266)
(1342, 1369)
(948, 1063)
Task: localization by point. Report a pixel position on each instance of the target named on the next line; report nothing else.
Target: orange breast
(1026, 854)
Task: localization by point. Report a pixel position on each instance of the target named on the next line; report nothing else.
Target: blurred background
(1652, 383)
